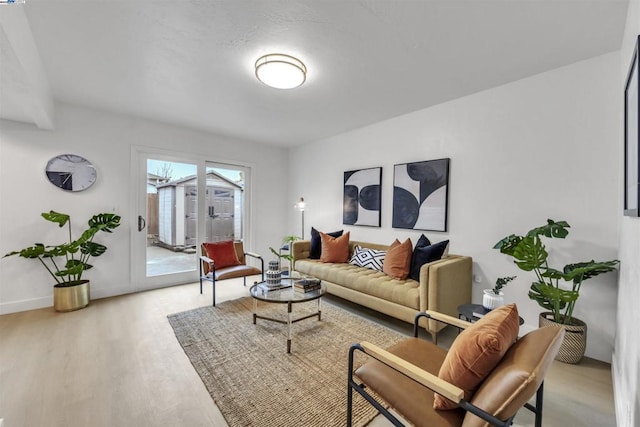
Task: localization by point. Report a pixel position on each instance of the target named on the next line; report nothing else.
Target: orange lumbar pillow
(477, 351)
(223, 254)
(397, 262)
(334, 249)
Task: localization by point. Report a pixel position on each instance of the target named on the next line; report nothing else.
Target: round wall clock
(71, 172)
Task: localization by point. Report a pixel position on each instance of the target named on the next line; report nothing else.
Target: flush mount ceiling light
(280, 71)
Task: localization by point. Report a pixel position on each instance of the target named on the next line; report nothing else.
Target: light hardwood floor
(117, 363)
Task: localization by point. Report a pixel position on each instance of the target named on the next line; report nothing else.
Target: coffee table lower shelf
(286, 296)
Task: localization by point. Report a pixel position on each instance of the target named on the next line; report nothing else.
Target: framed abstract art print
(420, 195)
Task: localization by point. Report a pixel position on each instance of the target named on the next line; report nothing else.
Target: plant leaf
(73, 267)
(530, 253)
(87, 235)
(105, 222)
(581, 271)
(508, 244)
(545, 294)
(62, 250)
(93, 248)
(552, 229)
(57, 217)
(35, 251)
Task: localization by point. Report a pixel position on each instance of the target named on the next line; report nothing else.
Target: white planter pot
(491, 300)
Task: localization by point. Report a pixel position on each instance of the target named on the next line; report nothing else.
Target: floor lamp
(301, 206)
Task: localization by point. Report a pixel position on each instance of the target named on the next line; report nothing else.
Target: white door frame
(139, 155)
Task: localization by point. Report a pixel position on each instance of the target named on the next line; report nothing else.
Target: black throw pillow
(315, 247)
(425, 254)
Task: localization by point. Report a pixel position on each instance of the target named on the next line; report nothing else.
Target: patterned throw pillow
(368, 258)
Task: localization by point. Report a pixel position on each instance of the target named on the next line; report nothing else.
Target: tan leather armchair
(405, 376)
(209, 272)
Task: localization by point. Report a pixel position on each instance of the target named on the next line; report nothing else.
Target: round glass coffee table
(286, 295)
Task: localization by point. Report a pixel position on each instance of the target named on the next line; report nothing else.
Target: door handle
(141, 223)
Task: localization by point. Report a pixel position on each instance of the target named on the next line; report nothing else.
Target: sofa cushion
(315, 243)
(363, 280)
(398, 259)
(477, 350)
(424, 254)
(223, 254)
(335, 249)
(367, 258)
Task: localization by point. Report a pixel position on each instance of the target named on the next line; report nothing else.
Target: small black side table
(467, 311)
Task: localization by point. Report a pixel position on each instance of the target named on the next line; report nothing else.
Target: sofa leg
(434, 337)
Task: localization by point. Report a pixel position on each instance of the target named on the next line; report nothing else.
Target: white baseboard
(42, 302)
(24, 305)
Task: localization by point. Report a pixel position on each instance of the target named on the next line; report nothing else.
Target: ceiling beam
(24, 87)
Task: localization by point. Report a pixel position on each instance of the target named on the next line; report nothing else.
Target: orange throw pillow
(397, 262)
(477, 351)
(223, 254)
(334, 249)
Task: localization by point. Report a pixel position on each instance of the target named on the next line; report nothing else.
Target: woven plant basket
(575, 338)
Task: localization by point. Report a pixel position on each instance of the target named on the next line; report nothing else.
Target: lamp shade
(280, 71)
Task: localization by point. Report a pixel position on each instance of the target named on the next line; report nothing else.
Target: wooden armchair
(226, 260)
(406, 376)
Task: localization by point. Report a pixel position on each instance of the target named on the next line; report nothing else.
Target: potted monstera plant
(555, 290)
(67, 262)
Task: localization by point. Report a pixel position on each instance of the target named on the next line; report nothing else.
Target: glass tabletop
(287, 294)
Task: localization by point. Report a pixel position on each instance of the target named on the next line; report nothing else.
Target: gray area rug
(253, 380)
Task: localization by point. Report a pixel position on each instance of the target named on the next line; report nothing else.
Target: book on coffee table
(265, 287)
(306, 282)
(306, 288)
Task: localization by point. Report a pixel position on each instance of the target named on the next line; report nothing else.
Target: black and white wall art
(362, 194)
(420, 195)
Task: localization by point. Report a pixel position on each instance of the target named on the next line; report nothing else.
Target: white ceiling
(190, 62)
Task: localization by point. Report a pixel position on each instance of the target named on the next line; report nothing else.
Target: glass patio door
(180, 203)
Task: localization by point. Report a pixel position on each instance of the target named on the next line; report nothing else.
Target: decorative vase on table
(274, 275)
(491, 300)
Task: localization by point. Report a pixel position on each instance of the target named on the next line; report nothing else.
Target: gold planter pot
(73, 297)
(574, 343)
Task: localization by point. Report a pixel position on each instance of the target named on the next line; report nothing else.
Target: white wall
(626, 358)
(542, 147)
(106, 140)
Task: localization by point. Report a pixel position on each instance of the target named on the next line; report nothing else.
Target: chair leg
(213, 283)
(539, 395)
(537, 409)
(360, 388)
(245, 281)
(349, 404)
(200, 277)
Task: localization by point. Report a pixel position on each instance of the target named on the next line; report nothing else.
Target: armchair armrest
(445, 318)
(252, 254)
(300, 250)
(206, 259)
(417, 374)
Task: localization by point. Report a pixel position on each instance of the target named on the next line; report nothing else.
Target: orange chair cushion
(334, 249)
(223, 254)
(477, 351)
(397, 262)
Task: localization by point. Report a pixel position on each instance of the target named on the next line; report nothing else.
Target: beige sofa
(443, 285)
